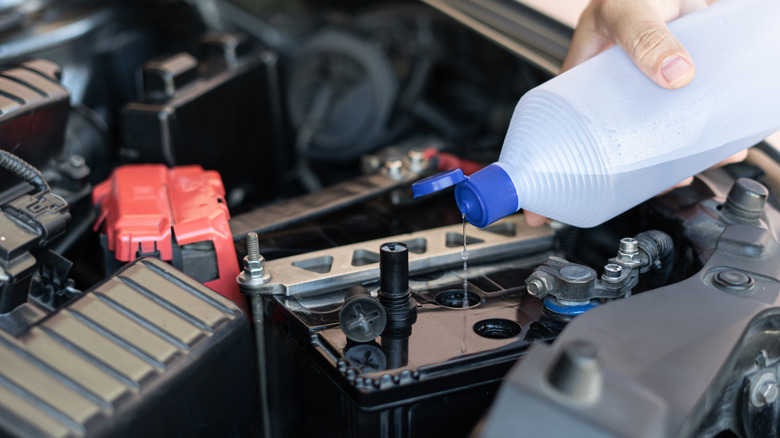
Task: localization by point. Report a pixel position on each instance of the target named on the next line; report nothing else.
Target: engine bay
(208, 229)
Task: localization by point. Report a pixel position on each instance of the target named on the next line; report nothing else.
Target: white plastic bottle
(602, 137)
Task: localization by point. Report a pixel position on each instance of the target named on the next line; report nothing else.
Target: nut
(628, 253)
(253, 275)
(254, 268)
(539, 284)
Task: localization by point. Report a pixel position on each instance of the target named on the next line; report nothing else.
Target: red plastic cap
(143, 206)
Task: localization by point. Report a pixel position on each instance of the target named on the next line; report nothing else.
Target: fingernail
(673, 67)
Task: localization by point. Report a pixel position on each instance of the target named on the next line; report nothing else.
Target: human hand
(639, 28)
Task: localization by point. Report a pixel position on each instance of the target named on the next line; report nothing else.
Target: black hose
(23, 170)
(660, 249)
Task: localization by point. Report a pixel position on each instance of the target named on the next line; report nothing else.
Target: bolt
(539, 284)
(254, 273)
(612, 271)
(253, 246)
(536, 287)
(394, 168)
(628, 245)
(555, 225)
(767, 392)
(628, 252)
(764, 390)
(416, 159)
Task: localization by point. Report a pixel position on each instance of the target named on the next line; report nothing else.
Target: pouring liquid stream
(464, 254)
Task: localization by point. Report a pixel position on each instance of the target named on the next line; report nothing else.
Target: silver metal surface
(332, 269)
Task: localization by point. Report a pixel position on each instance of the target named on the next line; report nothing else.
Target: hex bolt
(254, 273)
(394, 168)
(767, 392)
(536, 287)
(628, 252)
(628, 245)
(612, 271)
(416, 159)
(764, 391)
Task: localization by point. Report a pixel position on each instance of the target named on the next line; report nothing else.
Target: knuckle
(645, 46)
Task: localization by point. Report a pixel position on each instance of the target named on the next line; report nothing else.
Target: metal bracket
(333, 198)
(336, 268)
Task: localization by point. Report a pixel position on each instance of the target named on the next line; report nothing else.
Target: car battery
(175, 214)
(437, 381)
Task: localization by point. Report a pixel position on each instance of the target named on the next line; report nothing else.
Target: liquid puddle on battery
(464, 254)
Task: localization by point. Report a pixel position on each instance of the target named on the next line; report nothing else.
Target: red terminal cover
(143, 207)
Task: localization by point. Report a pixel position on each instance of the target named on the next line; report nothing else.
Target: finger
(736, 158)
(587, 41)
(533, 219)
(686, 182)
(689, 6)
(640, 30)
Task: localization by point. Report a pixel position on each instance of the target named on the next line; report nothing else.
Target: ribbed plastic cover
(147, 352)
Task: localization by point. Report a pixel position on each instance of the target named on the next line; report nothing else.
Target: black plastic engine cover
(148, 352)
(221, 111)
(34, 108)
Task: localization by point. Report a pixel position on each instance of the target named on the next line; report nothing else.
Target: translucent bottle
(602, 137)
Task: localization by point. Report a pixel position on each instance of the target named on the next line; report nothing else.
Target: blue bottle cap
(484, 197)
(437, 182)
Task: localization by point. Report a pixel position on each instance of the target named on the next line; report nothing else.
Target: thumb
(643, 35)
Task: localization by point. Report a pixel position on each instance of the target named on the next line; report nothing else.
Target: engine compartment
(209, 181)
